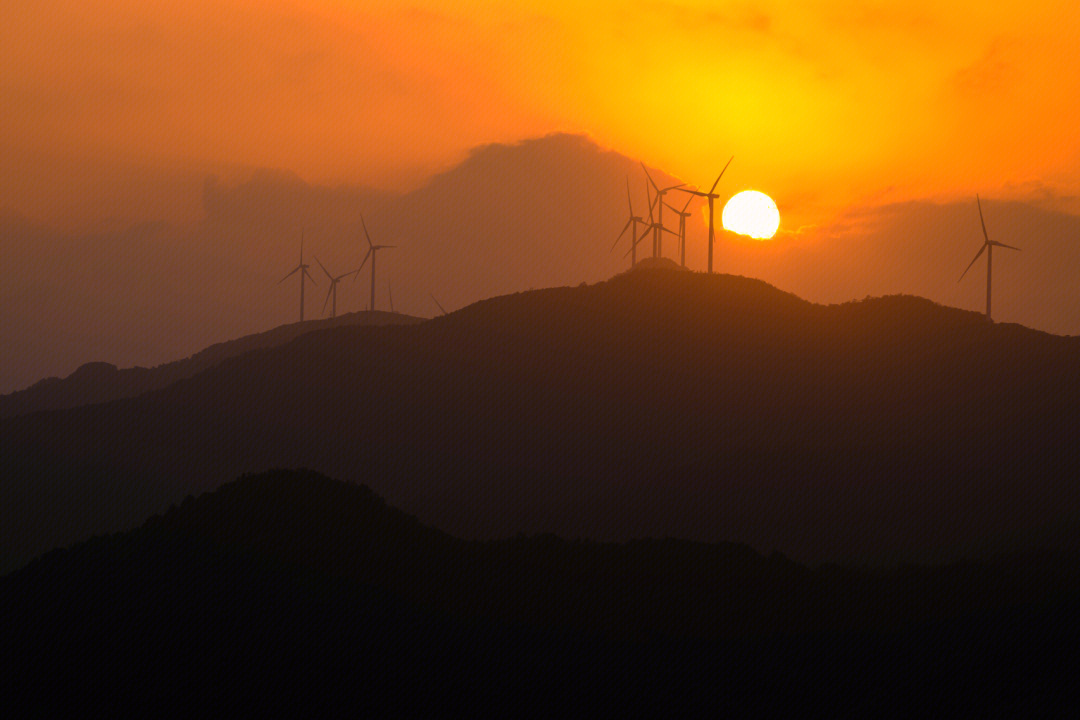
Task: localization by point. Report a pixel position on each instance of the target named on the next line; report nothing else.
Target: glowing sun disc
(752, 213)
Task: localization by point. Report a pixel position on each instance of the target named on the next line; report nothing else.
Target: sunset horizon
(520, 359)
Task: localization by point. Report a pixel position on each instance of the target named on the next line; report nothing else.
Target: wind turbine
(988, 246)
(658, 227)
(712, 196)
(682, 228)
(631, 224)
(333, 287)
(652, 227)
(370, 253)
(303, 270)
(391, 292)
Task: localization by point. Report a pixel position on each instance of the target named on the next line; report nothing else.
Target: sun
(752, 213)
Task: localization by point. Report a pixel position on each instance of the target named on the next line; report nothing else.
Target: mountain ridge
(97, 382)
(321, 584)
(299, 519)
(708, 407)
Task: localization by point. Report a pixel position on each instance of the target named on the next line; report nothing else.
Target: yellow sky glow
(824, 104)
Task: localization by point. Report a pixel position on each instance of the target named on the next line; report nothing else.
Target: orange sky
(107, 108)
(850, 114)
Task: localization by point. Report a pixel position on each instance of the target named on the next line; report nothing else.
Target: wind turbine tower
(658, 228)
(303, 270)
(988, 247)
(712, 196)
(652, 226)
(332, 292)
(631, 225)
(372, 249)
(682, 228)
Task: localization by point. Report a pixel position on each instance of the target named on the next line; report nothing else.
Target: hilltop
(99, 382)
(353, 587)
(706, 408)
(298, 523)
(537, 213)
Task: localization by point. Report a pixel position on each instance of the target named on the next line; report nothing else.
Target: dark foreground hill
(706, 408)
(99, 382)
(343, 586)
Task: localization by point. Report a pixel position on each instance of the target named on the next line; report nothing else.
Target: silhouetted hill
(650, 263)
(98, 382)
(302, 522)
(327, 566)
(655, 404)
(539, 213)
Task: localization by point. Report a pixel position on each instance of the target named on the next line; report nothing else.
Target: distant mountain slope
(539, 213)
(302, 524)
(98, 382)
(656, 404)
(333, 576)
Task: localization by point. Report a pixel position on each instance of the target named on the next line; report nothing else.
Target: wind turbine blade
(383, 247)
(721, 175)
(652, 204)
(438, 304)
(691, 192)
(977, 256)
(688, 201)
(289, 275)
(309, 277)
(650, 177)
(997, 244)
(979, 203)
(638, 241)
(674, 187)
(366, 234)
(323, 268)
(671, 231)
(327, 297)
(624, 228)
(362, 264)
(629, 203)
(391, 292)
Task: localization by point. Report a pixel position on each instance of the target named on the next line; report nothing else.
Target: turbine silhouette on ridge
(988, 247)
(631, 224)
(712, 196)
(658, 226)
(303, 270)
(683, 214)
(372, 249)
(333, 286)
